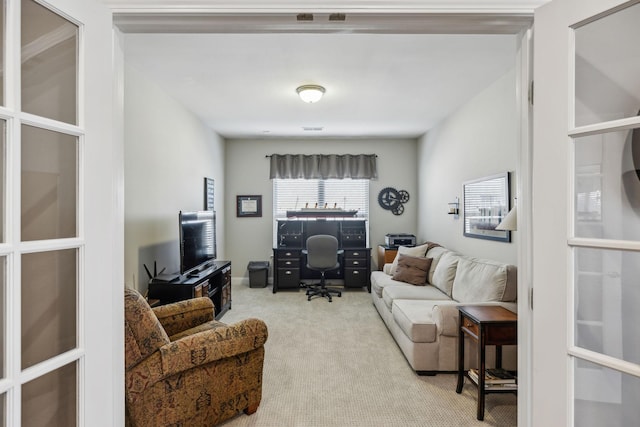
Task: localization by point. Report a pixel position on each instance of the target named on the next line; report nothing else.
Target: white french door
(586, 170)
(60, 241)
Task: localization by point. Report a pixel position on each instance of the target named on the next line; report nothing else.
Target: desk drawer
(356, 277)
(287, 254)
(470, 326)
(288, 277)
(289, 263)
(353, 254)
(355, 263)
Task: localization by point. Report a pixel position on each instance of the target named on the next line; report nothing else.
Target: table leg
(498, 356)
(481, 375)
(460, 356)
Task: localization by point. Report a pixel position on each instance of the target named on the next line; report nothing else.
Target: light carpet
(336, 365)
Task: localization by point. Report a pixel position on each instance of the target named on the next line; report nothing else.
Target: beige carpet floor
(336, 365)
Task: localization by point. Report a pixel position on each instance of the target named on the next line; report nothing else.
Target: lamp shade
(310, 93)
(509, 222)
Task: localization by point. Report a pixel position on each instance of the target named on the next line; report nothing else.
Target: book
(494, 376)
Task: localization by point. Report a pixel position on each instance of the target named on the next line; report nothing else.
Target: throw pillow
(418, 251)
(412, 269)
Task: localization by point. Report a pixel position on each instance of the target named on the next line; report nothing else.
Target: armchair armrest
(214, 344)
(183, 315)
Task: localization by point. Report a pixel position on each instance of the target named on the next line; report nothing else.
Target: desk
(290, 264)
(486, 325)
(290, 268)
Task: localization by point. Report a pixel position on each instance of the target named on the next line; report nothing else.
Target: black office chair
(322, 255)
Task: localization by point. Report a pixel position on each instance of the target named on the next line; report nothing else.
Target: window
(295, 194)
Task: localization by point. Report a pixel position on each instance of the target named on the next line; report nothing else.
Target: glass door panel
(2, 43)
(49, 304)
(606, 219)
(3, 314)
(49, 184)
(3, 177)
(607, 186)
(3, 410)
(607, 65)
(607, 297)
(49, 64)
(620, 406)
(51, 400)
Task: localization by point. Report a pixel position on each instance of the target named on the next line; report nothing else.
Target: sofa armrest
(214, 344)
(183, 315)
(447, 319)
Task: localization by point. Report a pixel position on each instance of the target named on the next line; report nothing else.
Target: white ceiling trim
(353, 23)
(327, 6)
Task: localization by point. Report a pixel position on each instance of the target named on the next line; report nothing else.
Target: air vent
(304, 17)
(337, 17)
(312, 128)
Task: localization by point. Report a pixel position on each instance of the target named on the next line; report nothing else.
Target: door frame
(517, 21)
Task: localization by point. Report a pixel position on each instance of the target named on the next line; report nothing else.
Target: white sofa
(423, 319)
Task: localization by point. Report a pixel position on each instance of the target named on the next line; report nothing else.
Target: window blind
(295, 194)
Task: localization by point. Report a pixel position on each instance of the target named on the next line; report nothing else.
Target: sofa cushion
(428, 292)
(480, 280)
(445, 272)
(412, 269)
(380, 280)
(408, 250)
(435, 253)
(415, 320)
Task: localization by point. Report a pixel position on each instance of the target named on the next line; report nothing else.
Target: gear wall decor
(393, 200)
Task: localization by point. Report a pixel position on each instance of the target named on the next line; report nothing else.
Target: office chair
(322, 255)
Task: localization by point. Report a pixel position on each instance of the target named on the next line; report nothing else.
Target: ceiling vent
(304, 17)
(312, 128)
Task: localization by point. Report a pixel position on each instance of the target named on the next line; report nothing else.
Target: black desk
(290, 264)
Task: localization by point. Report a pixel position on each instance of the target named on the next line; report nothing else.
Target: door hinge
(530, 94)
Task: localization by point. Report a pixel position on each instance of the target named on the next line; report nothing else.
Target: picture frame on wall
(486, 203)
(248, 206)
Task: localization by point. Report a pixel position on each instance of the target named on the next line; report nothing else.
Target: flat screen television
(197, 240)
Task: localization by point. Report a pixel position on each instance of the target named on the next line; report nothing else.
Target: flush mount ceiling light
(310, 93)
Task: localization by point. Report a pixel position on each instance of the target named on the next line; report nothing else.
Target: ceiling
(386, 75)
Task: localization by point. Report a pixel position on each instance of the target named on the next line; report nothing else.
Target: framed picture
(486, 203)
(208, 194)
(249, 206)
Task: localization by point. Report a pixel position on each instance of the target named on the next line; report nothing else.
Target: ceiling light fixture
(310, 93)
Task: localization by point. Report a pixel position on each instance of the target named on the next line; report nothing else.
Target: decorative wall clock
(393, 200)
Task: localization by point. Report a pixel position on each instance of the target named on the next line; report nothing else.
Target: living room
(478, 138)
(431, 167)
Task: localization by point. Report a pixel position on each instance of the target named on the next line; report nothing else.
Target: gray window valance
(323, 166)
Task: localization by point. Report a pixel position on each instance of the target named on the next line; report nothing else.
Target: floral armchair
(183, 368)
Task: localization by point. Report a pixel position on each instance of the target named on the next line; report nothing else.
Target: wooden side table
(486, 325)
(386, 255)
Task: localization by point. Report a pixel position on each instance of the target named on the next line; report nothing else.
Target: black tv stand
(213, 279)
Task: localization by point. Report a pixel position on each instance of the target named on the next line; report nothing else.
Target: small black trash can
(258, 273)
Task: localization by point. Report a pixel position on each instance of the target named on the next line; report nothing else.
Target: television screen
(197, 239)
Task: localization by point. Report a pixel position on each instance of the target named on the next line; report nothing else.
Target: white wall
(250, 239)
(168, 153)
(479, 139)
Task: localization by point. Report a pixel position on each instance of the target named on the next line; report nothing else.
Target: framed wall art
(208, 194)
(486, 203)
(249, 206)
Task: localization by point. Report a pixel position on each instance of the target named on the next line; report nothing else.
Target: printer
(399, 239)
